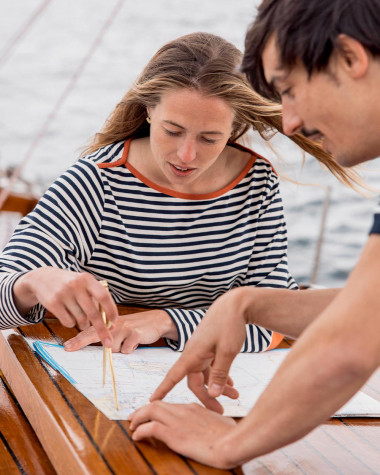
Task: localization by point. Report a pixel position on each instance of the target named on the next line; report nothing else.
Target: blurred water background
(65, 64)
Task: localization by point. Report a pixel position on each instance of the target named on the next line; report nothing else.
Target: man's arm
(327, 366)
(331, 361)
(284, 311)
(209, 353)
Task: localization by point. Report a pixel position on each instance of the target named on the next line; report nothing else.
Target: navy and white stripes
(375, 229)
(155, 248)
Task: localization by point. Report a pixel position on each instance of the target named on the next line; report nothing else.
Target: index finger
(82, 339)
(175, 374)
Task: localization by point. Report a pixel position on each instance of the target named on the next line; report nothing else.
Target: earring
(148, 119)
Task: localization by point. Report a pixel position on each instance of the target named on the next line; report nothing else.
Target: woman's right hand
(131, 330)
(72, 297)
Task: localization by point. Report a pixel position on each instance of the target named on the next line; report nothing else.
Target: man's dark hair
(307, 31)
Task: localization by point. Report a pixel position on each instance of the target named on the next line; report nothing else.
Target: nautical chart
(138, 374)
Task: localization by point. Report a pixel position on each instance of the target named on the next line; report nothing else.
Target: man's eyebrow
(213, 132)
(276, 79)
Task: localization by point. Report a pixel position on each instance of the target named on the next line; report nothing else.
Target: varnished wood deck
(79, 439)
(20, 450)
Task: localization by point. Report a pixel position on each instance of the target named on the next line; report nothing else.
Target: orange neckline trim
(276, 340)
(177, 194)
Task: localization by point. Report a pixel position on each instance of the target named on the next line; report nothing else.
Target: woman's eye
(210, 141)
(171, 133)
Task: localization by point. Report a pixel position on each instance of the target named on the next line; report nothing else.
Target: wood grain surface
(79, 439)
(20, 449)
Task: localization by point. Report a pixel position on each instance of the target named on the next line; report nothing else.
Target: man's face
(327, 107)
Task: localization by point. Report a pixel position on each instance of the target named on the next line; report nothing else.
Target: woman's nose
(187, 151)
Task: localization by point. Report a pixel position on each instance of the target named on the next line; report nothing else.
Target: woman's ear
(353, 56)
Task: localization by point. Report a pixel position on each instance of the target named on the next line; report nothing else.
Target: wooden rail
(22, 204)
(20, 449)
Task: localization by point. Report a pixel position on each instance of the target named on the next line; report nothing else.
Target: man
(321, 58)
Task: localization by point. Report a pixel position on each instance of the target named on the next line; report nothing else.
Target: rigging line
(45, 126)
(13, 42)
(322, 229)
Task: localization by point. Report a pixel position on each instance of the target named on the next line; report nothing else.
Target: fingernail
(67, 344)
(107, 343)
(216, 389)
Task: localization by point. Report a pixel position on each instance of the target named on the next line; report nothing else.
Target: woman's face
(188, 133)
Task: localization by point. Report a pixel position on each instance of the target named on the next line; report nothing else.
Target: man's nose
(291, 120)
(187, 150)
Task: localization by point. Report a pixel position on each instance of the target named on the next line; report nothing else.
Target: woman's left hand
(188, 429)
(130, 331)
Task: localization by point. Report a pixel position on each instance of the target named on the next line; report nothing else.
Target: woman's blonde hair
(209, 64)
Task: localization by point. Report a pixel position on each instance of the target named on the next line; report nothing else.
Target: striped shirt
(157, 248)
(376, 221)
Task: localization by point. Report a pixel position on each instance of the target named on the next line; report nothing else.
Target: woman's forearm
(23, 296)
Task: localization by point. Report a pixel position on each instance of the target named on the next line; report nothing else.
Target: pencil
(109, 352)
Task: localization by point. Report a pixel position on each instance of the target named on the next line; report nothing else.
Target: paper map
(138, 374)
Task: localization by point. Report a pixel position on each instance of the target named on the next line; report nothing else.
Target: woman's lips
(181, 171)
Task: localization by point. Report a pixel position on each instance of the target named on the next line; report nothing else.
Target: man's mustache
(310, 133)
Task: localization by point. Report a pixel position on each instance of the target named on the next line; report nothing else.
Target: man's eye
(286, 92)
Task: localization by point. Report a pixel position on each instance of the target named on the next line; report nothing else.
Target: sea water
(65, 64)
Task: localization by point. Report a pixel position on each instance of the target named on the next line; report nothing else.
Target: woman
(165, 206)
